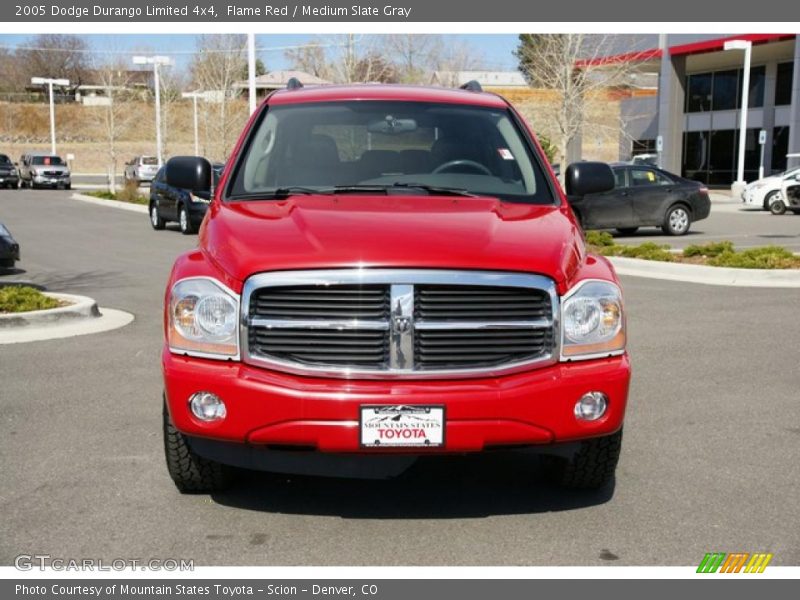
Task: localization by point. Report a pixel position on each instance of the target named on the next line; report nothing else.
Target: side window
(647, 177)
(619, 178)
(160, 175)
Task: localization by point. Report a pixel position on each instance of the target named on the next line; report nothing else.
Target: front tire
(591, 467)
(677, 221)
(185, 221)
(777, 207)
(192, 474)
(156, 222)
(771, 197)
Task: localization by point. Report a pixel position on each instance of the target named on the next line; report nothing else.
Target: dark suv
(9, 177)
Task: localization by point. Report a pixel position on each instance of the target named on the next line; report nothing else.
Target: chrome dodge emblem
(401, 324)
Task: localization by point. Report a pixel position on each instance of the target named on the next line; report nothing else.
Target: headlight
(592, 321)
(203, 319)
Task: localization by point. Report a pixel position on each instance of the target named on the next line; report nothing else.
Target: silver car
(142, 169)
(42, 169)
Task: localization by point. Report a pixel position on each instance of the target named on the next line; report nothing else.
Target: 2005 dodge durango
(387, 272)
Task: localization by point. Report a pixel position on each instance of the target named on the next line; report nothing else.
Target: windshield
(4, 160)
(49, 161)
(377, 145)
(149, 160)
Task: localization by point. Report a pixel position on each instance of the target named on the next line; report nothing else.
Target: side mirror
(584, 178)
(191, 173)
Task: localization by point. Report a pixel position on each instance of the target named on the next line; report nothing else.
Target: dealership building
(693, 122)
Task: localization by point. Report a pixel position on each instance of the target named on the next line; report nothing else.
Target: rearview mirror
(191, 173)
(584, 178)
(391, 125)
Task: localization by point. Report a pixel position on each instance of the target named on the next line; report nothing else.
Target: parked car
(648, 160)
(789, 199)
(141, 169)
(9, 249)
(762, 192)
(42, 169)
(387, 272)
(644, 196)
(169, 203)
(9, 177)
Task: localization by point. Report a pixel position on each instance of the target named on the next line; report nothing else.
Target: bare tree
(219, 63)
(574, 67)
(117, 115)
(414, 54)
(311, 58)
(56, 56)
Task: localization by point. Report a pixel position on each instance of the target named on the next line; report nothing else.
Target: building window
(721, 157)
(695, 155)
(647, 146)
(698, 93)
(783, 84)
(780, 148)
(755, 99)
(726, 84)
(711, 156)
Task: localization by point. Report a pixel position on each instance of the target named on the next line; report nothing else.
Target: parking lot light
(194, 96)
(49, 82)
(747, 46)
(156, 61)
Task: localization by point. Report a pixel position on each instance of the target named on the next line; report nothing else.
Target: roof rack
(294, 84)
(472, 86)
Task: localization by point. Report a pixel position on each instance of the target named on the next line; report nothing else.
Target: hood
(58, 168)
(313, 232)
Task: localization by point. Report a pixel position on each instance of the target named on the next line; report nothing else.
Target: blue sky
(496, 49)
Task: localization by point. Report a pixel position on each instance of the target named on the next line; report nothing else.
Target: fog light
(591, 406)
(207, 406)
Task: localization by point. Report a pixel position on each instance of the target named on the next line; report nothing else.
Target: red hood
(312, 232)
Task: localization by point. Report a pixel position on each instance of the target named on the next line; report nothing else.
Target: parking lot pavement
(709, 460)
(745, 227)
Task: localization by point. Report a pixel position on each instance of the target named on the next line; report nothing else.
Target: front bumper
(752, 197)
(44, 180)
(268, 408)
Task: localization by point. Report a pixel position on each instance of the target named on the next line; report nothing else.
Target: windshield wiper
(436, 190)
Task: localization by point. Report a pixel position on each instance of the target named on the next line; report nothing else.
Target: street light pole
(50, 82)
(747, 46)
(194, 96)
(251, 71)
(156, 61)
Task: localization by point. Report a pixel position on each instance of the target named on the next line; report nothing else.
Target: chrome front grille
(399, 323)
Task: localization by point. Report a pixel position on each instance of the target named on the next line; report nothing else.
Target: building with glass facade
(697, 110)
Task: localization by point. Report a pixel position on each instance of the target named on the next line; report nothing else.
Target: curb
(80, 307)
(776, 278)
(138, 208)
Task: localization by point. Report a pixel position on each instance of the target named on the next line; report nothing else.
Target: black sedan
(9, 176)
(171, 204)
(644, 197)
(9, 249)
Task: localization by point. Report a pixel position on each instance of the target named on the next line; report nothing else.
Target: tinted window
(783, 84)
(328, 144)
(780, 148)
(149, 160)
(619, 178)
(756, 93)
(698, 93)
(160, 175)
(643, 177)
(726, 84)
(4, 160)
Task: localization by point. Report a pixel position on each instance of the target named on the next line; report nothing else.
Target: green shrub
(130, 193)
(14, 299)
(645, 251)
(765, 257)
(548, 147)
(710, 249)
(599, 238)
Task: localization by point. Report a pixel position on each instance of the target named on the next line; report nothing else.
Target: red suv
(386, 272)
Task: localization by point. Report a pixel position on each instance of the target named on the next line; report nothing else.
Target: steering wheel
(463, 162)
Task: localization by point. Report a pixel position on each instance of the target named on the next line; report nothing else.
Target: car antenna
(472, 86)
(294, 84)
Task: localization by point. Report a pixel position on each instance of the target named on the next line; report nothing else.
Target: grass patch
(130, 194)
(714, 254)
(15, 299)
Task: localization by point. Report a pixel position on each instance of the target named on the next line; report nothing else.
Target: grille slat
(454, 327)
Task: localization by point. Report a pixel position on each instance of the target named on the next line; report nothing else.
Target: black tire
(192, 474)
(768, 198)
(156, 222)
(68, 186)
(185, 221)
(777, 207)
(677, 221)
(627, 230)
(592, 466)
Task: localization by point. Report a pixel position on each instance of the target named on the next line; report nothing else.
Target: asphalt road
(710, 458)
(745, 227)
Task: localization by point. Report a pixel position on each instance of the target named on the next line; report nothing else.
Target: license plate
(402, 426)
